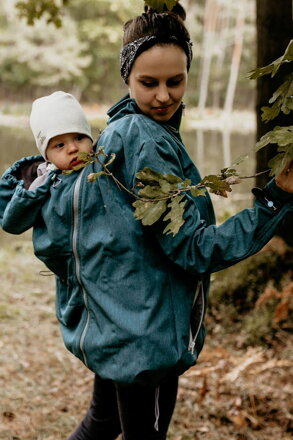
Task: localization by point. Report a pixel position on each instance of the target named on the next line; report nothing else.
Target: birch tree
(209, 28)
(236, 57)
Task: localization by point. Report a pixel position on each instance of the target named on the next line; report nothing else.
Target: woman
(131, 299)
(143, 131)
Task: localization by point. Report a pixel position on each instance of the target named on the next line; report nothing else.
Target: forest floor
(236, 392)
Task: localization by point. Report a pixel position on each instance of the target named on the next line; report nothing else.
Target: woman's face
(158, 80)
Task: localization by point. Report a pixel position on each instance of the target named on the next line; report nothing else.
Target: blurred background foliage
(80, 51)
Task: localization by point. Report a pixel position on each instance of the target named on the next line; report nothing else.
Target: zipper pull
(56, 180)
(191, 346)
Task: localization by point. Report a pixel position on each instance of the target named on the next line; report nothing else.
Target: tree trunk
(274, 31)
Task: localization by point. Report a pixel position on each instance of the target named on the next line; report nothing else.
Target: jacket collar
(127, 106)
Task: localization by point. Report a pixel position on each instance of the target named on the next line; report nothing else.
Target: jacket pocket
(69, 295)
(197, 332)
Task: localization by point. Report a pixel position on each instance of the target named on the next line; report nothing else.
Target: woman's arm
(200, 247)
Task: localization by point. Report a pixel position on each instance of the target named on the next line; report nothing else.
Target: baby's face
(63, 149)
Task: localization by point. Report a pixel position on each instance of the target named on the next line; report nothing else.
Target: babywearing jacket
(131, 300)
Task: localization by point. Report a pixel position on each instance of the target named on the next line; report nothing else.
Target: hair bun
(176, 10)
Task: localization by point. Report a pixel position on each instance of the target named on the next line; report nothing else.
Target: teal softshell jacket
(131, 300)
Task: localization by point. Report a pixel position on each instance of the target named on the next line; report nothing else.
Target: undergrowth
(256, 295)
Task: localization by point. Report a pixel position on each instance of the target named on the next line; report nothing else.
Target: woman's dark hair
(149, 29)
(177, 9)
(160, 24)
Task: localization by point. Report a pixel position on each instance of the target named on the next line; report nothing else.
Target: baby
(61, 132)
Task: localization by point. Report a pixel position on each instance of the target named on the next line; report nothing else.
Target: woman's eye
(148, 84)
(174, 83)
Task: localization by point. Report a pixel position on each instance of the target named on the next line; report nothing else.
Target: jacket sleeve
(19, 207)
(201, 248)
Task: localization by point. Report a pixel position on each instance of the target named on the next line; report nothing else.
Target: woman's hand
(285, 179)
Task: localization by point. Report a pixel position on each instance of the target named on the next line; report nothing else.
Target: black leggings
(138, 412)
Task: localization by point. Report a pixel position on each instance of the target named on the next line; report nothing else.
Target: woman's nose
(162, 93)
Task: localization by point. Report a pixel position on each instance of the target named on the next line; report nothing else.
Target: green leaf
(172, 179)
(264, 140)
(151, 192)
(159, 4)
(171, 3)
(278, 162)
(76, 168)
(275, 65)
(288, 105)
(175, 215)
(174, 182)
(227, 172)
(282, 90)
(161, 184)
(269, 113)
(260, 71)
(279, 135)
(85, 156)
(288, 149)
(196, 192)
(149, 212)
(215, 183)
(282, 98)
(148, 176)
(79, 166)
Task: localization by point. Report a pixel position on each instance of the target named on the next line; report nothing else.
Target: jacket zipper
(192, 339)
(77, 262)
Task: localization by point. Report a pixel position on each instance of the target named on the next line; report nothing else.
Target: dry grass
(43, 387)
(234, 393)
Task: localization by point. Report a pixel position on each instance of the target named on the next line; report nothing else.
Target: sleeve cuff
(272, 196)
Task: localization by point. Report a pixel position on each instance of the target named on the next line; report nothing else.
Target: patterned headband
(129, 52)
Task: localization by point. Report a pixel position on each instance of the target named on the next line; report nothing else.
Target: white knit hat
(58, 113)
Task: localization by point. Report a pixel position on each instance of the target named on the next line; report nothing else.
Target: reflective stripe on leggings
(157, 409)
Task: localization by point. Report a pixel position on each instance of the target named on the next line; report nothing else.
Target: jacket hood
(127, 106)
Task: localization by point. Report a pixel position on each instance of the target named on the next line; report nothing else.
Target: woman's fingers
(285, 179)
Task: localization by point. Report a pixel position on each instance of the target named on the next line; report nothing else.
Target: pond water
(211, 150)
